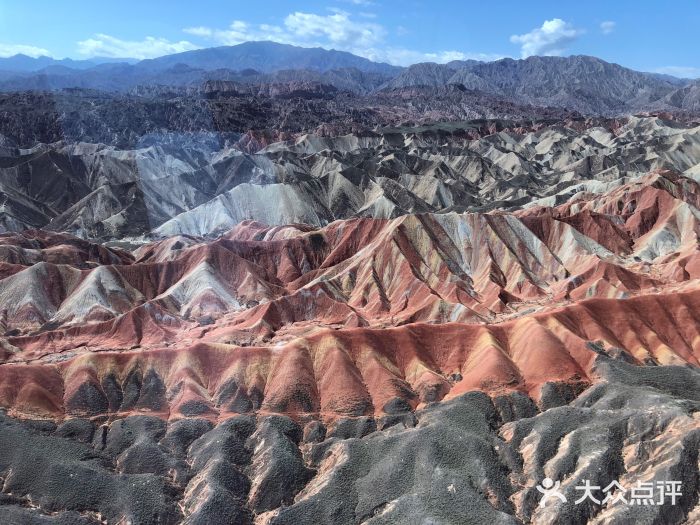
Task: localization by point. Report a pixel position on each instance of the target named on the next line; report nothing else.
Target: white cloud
(199, 31)
(607, 27)
(150, 47)
(239, 31)
(552, 38)
(680, 71)
(406, 57)
(8, 50)
(338, 30)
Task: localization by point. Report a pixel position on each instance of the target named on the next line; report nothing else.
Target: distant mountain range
(583, 83)
(580, 83)
(265, 57)
(24, 63)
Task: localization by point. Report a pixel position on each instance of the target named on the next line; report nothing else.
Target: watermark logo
(550, 489)
(642, 493)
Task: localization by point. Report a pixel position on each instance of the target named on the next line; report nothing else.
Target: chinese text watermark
(642, 493)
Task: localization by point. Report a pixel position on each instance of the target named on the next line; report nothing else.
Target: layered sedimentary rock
(471, 315)
(358, 316)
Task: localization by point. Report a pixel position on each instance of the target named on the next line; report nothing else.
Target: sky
(645, 35)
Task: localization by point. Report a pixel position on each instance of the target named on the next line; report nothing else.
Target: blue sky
(644, 35)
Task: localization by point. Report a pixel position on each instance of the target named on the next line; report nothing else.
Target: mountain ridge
(266, 56)
(24, 63)
(579, 83)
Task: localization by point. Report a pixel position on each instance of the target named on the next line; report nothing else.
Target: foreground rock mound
(469, 459)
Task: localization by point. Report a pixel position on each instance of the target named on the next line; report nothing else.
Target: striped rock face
(358, 317)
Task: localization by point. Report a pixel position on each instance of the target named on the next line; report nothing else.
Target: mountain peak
(267, 56)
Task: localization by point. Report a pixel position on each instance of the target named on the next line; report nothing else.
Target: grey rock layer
(192, 185)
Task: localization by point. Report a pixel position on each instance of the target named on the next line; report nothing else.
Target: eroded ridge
(359, 315)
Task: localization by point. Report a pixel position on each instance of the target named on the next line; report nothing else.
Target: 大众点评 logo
(642, 493)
